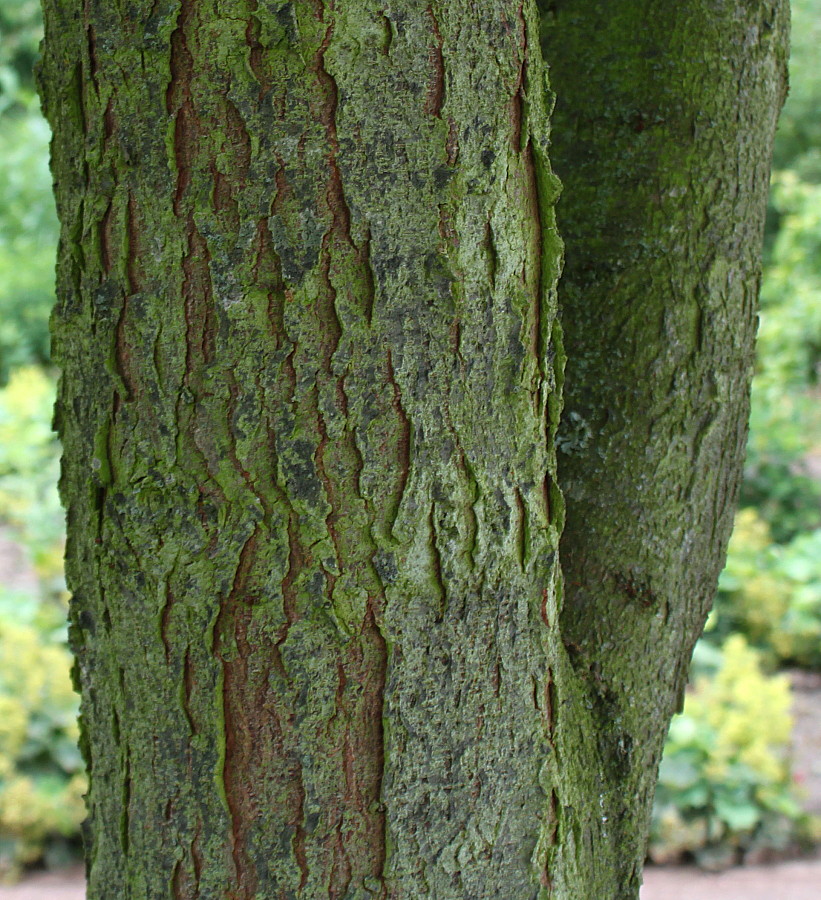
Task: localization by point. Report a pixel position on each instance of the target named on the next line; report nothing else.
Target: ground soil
(785, 881)
(807, 739)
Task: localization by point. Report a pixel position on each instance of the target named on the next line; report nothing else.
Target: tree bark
(311, 387)
(662, 136)
(308, 400)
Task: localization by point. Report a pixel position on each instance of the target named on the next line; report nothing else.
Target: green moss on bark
(662, 137)
(311, 385)
(307, 294)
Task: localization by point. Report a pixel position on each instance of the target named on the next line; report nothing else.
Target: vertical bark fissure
(436, 89)
(240, 716)
(403, 450)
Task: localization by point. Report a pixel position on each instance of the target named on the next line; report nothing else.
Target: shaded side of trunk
(663, 131)
(309, 396)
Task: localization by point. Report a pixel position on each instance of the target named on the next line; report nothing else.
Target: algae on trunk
(306, 304)
(662, 136)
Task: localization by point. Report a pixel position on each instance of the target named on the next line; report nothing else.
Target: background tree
(662, 136)
(310, 391)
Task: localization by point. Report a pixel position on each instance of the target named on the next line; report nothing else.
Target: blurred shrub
(28, 223)
(725, 789)
(28, 241)
(798, 138)
(41, 780)
(29, 469)
(785, 424)
(785, 428)
(41, 771)
(789, 332)
(799, 129)
(21, 29)
(772, 592)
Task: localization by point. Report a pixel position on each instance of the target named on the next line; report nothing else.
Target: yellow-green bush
(29, 469)
(41, 772)
(772, 592)
(725, 786)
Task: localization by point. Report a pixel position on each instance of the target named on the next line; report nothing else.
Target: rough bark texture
(663, 131)
(311, 385)
(308, 404)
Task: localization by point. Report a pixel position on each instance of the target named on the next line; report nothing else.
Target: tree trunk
(311, 386)
(308, 402)
(662, 136)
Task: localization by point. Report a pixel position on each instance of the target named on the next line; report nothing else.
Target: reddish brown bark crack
(179, 102)
(437, 564)
(518, 99)
(244, 712)
(553, 825)
(293, 779)
(298, 824)
(436, 89)
(360, 816)
(230, 184)
(267, 275)
(330, 493)
(456, 341)
(134, 230)
(550, 704)
(547, 488)
(197, 288)
(256, 52)
(188, 693)
(341, 871)
(107, 238)
(517, 114)
(125, 818)
(403, 446)
(283, 189)
(91, 43)
(373, 749)
(109, 121)
(385, 49)
(536, 344)
(165, 620)
(200, 325)
(521, 528)
(369, 294)
(123, 352)
(452, 145)
(327, 115)
(545, 617)
(296, 561)
(491, 254)
(111, 260)
(467, 473)
(180, 883)
(447, 229)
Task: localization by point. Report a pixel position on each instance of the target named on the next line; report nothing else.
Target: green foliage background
(28, 224)
(725, 785)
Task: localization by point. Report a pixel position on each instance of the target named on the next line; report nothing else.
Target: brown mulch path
(69, 884)
(784, 881)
